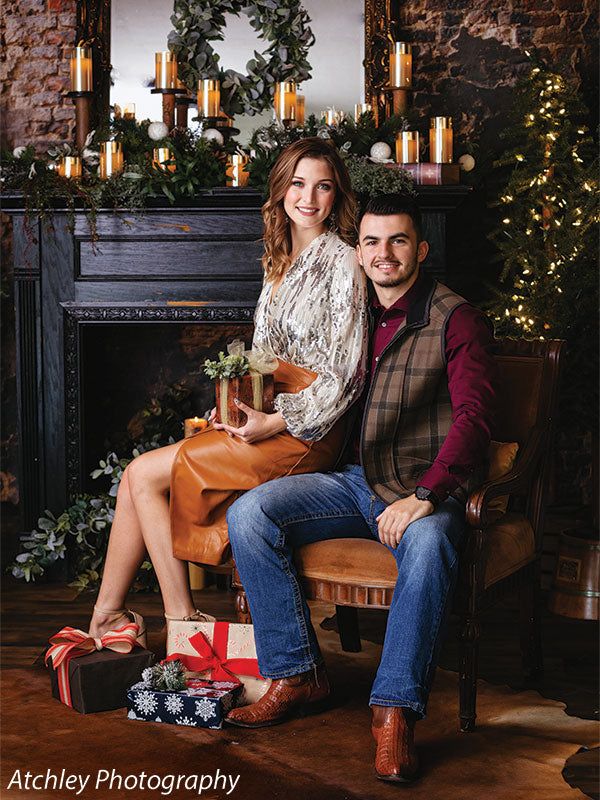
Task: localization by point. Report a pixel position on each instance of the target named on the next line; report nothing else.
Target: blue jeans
(268, 523)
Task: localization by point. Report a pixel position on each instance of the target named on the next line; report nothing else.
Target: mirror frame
(93, 28)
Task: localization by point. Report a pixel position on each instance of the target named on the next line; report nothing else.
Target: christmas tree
(548, 237)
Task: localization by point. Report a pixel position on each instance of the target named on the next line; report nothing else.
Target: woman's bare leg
(141, 525)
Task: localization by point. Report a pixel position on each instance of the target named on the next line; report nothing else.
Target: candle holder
(209, 99)
(193, 425)
(160, 157)
(360, 109)
(81, 91)
(69, 167)
(400, 77)
(111, 159)
(440, 140)
(237, 174)
(407, 147)
(182, 104)
(285, 102)
(167, 84)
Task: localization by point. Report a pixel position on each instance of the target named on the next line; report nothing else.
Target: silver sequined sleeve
(318, 321)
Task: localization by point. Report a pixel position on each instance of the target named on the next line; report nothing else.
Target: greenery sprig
(230, 366)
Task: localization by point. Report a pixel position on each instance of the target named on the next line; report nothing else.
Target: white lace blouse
(317, 320)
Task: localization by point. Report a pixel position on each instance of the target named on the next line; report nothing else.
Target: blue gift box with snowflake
(202, 704)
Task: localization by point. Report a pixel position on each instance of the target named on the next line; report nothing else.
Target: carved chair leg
(530, 622)
(347, 620)
(470, 632)
(242, 609)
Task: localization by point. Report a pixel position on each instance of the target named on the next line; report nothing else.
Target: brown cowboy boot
(285, 697)
(396, 758)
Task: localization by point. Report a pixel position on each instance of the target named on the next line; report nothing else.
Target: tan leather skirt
(212, 469)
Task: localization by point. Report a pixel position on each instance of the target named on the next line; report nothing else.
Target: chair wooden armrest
(517, 481)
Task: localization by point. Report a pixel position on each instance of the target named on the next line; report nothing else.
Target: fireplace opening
(126, 368)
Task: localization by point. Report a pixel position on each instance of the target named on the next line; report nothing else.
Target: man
(420, 449)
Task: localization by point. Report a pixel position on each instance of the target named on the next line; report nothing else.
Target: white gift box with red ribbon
(219, 651)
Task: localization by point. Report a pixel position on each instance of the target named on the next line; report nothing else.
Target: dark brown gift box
(241, 389)
(100, 680)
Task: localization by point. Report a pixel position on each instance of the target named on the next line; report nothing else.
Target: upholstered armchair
(505, 520)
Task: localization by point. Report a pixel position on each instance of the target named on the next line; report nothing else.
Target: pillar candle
(129, 111)
(209, 97)
(401, 66)
(111, 159)
(299, 109)
(70, 167)
(159, 156)
(81, 69)
(440, 140)
(236, 170)
(285, 101)
(360, 109)
(166, 70)
(407, 147)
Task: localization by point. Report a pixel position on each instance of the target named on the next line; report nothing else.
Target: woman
(311, 315)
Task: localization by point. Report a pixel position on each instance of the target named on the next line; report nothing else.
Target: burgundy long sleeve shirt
(472, 375)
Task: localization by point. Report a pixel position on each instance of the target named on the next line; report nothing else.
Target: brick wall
(35, 36)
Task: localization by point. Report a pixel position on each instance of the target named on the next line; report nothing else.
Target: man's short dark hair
(386, 205)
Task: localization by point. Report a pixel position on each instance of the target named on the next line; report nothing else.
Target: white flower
(187, 721)
(32, 172)
(89, 139)
(174, 704)
(18, 151)
(91, 156)
(145, 702)
(205, 709)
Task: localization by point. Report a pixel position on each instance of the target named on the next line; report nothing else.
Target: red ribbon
(71, 643)
(213, 657)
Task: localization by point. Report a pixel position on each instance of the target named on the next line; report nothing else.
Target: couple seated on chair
(383, 413)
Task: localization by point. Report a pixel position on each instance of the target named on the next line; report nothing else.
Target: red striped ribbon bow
(213, 657)
(71, 643)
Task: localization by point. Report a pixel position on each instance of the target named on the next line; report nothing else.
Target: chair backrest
(529, 375)
(528, 386)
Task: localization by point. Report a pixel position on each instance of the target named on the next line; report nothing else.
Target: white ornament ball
(213, 135)
(467, 162)
(157, 131)
(381, 151)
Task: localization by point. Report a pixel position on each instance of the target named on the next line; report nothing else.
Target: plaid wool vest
(408, 411)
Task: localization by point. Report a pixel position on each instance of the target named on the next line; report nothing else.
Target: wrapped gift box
(256, 391)
(99, 681)
(218, 651)
(203, 704)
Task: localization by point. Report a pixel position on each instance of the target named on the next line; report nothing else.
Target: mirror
(139, 29)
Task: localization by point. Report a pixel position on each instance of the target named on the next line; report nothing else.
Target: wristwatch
(422, 493)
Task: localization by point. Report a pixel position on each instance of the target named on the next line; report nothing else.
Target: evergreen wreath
(282, 23)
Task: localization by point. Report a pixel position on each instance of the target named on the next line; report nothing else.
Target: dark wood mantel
(139, 267)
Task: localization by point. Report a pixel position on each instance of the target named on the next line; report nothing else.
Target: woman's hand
(258, 426)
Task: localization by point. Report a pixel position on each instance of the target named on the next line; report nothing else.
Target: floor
(30, 613)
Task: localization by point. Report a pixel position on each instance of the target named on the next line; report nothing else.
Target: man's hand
(258, 426)
(397, 517)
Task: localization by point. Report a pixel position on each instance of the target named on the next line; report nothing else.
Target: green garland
(284, 24)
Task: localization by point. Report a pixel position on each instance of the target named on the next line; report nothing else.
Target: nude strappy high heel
(130, 616)
(197, 616)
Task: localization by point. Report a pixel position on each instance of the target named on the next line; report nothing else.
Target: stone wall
(35, 36)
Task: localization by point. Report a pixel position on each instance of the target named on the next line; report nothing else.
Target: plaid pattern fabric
(408, 412)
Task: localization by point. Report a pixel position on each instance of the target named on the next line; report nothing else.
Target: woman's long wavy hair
(277, 236)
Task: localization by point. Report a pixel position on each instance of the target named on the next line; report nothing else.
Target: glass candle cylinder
(209, 97)
(285, 101)
(160, 155)
(166, 70)
(111, 159)
(236, 170)
(440, 140)
(360, 109)
(129, 111)
(69, 167)
(407, 147)
(193, 425)
(299, 109)
(81, 69)
(401, 66)
(333, 117)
